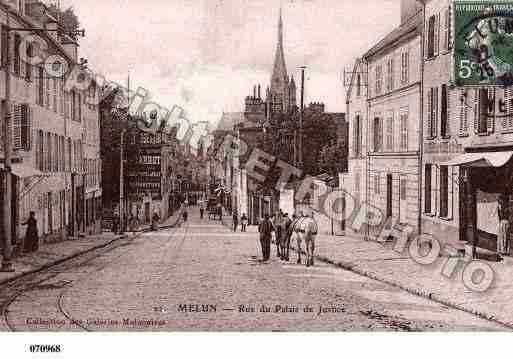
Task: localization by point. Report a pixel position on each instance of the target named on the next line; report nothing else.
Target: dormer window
(358, 85)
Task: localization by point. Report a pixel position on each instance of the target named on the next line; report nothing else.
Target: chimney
(254, 91)
(258, 90)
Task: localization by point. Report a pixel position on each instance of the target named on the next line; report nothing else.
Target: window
(40, 151)
(431, 36)
(427, 189)
(28, 65)
(443, 113)
(481, 117)
(403, 117)
(447, 29)
(47, 93)
(17, 43)
(378, 134)
(40, 86)
(15, 114)
(54, 80)
(390, 75)
(376, 184)
(432, 112)
(358, 85)
(402, 189)
(26, 127)
(390, 132)
(379, 79)
(507, 120)
(444, 191)
(49, 152)
(5, 46)
(357, 135)
(405, 67)
(463, 112)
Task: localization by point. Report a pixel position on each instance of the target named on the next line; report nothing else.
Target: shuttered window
(17, 60)
(28, 65)
(5, 45)
(431, 37)
(40, 86)
(16, 119)
(405, 64)
(26, 127)
(403, 119)
(444, 191)
(444, 112)
(432, 112)
(390, 132)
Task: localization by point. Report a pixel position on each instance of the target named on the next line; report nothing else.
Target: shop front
(485, 198)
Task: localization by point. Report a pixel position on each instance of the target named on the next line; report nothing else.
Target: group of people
(281, 225)
(243, 222)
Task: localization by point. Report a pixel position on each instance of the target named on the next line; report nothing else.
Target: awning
(23, 171)
(481, 159)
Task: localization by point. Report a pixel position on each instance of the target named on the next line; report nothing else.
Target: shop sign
(483, 44)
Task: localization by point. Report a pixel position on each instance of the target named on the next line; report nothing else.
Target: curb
(415, 291)
(74, 255)
(59, 261)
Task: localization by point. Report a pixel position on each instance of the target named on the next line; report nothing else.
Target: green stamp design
(483, 47)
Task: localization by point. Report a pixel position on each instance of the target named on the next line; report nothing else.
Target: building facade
(468, 136)
(55, 131)
(394, 114)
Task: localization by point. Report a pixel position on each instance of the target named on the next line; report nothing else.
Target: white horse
(305, 229)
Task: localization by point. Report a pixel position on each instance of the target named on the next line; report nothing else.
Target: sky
(206, 55)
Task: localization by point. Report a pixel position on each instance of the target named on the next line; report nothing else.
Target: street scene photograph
(255, 166)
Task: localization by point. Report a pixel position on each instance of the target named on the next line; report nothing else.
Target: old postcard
(255, 166)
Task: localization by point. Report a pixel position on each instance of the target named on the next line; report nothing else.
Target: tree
(68, 20)
(333, 159)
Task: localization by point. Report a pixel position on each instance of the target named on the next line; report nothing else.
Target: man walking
(202, 210)
(243, 222)
(285, 237)
(265, 228)
(235, 221)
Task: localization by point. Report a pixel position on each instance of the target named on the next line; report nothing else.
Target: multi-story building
(468, 139)
(55, 130)
(354, 181)
(384, 113)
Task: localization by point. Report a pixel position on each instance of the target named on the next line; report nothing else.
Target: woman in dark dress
(31, 237)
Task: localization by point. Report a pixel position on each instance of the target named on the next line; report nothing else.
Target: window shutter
(437, 34)
(446, 30)
(451, 189)
(490, 120)
(508, 97)
(26, 128)
(429, 112)
(435, 112)
(475, 103)
(16, 120)
(434, 189)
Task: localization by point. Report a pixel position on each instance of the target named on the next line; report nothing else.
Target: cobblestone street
(201, 276)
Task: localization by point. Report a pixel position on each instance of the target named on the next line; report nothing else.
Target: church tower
(282, 95)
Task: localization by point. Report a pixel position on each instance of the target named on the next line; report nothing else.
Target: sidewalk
(381, 262)
(50, 254)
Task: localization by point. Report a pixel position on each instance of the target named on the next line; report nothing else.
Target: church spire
(279, 77)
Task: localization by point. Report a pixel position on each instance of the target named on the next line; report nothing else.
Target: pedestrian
(243, 222)
(154, 221)
(202, 210)
(502, 236)
(31, 236)
(265, 229)
(285, 239)
(275, 221)
(115, 224)
(185, 215)
(235, 221)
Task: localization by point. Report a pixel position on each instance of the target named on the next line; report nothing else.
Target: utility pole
(121, 184)
(7, 265)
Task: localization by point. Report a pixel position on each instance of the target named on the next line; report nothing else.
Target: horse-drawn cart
(214, 208)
